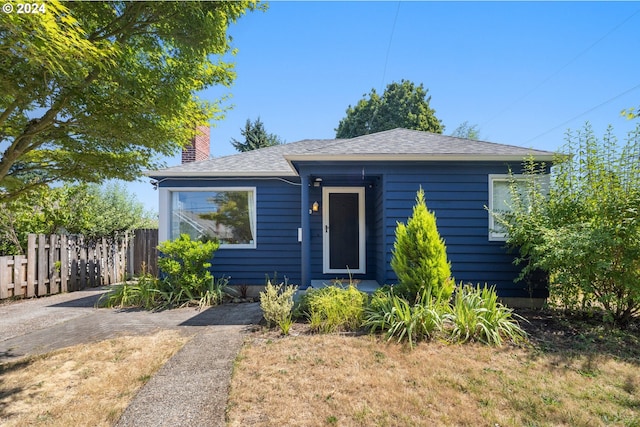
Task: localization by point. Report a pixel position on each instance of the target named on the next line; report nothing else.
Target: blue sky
(524, 72)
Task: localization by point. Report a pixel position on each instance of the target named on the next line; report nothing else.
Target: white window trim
(495, 236)
(502, 237)
(164, 212)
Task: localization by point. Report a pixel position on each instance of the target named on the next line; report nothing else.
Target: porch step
(368, 286)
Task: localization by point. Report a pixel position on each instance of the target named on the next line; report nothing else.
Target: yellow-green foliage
(336, 309)
(186, 262)
(419, 254)
(276, 304)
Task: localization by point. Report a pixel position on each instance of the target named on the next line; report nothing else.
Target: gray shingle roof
(395, 144)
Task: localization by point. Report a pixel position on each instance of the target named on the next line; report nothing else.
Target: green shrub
(333, 308)
(586, 233)
(185, 265)
(187, 280)
(476, 315)
(301, 306)
(398, 318)
(419, 256)
(276, 303)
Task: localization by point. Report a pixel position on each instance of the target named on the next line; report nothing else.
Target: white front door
(343, 226)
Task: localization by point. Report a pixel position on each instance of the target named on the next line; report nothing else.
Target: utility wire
(571, 61)
(584, 113)
(386, 59)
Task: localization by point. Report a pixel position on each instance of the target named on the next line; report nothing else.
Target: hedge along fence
(56, 264)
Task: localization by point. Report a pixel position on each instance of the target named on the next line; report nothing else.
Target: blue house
(317, 210)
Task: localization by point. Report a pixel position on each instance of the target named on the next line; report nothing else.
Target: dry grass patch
(87, 385)
(319, 380)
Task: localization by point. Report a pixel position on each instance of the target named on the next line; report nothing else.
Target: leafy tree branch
(98, 90)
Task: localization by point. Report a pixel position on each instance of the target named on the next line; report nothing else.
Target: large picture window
(228, 215)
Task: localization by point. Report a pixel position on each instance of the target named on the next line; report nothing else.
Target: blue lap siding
(457, 192)
(278, 218)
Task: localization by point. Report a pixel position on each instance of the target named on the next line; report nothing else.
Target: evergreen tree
(419, 256)
(255, 136)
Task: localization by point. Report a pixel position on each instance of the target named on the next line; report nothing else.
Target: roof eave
(226, 174)
(417, 157)
(353, 158)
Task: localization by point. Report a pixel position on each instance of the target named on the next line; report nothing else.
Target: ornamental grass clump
(276, 303)
(143, 293)
(334, 308)
(398, 318)
(476, 315)
(419, 256)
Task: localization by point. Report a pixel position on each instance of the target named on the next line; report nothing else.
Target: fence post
(122, 258)
(5, 277)
(64, 264)
(31, 265)
(92, 249)
(131, 254)
(20, 286)
(42, 265)
(83, 263)
(54, 287)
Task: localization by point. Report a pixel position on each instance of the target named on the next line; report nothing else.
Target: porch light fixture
(317, 182)
(315, 207)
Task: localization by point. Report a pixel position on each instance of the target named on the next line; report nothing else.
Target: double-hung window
(501, 199)
(225, 214)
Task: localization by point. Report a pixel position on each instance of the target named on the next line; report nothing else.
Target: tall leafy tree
(402, 105)
(467, 131)
(88, 209)
(96, 90)
(255, 136)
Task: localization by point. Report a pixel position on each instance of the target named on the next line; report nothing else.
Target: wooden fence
(143, 252)
(55, 264)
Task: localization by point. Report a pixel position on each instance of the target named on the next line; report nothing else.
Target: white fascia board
(195, 174)
(415, 157)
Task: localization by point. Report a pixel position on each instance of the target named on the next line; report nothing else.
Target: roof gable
(392, 145)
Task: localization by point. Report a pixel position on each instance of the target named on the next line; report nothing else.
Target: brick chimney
(199, 148)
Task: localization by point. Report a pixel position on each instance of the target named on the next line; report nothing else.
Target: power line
(386, 59)
(571, 61)
(584, 113)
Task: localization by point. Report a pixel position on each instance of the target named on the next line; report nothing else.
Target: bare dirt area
(574, 371)
(556, 331)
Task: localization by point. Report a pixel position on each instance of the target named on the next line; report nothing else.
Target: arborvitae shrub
(419, 255)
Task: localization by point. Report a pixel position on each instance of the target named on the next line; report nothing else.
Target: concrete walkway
(190, 390)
